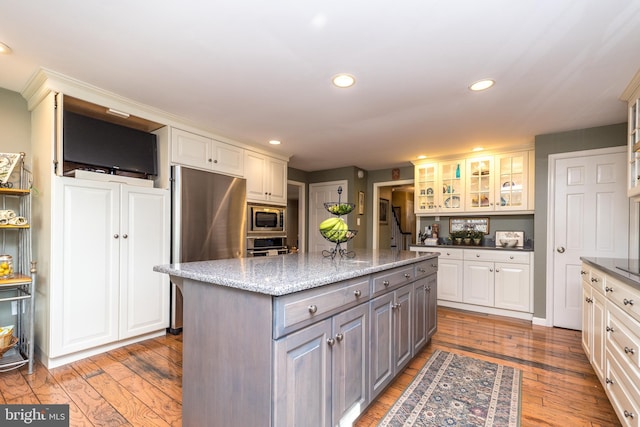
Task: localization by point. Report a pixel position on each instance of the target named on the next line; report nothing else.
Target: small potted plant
(477, 237)
(457, 236)
(466, 239)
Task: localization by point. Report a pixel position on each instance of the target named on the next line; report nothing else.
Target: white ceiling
(252, 70)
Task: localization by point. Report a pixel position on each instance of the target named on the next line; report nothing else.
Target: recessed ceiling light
(274, 142)
(343, 80)
(5, 49)
(422, 156)
(478, 149)
(482, 85)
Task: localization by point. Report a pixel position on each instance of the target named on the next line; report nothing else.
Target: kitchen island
(299, 339)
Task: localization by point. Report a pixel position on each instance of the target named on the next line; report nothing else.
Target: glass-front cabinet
(425, 185)
(439, 187)
(480, 184)
(634, 149)
(511, 181)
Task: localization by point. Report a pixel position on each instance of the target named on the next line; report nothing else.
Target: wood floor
(140, 385)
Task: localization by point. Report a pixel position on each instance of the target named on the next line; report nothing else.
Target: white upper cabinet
(632, 96)
(266, 178)
(511, 183)
(480, 176)
(439, 187)
(190, 149)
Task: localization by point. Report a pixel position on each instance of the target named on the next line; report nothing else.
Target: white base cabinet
(108, 240)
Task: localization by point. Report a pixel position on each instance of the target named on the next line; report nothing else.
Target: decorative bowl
(339, 208)
(339, 236)
(509, 242)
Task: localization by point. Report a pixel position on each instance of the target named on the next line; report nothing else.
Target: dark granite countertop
(526, 248)
(616, 267)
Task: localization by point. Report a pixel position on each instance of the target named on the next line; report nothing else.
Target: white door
(319, 194)
(591, 219)
(145, 230)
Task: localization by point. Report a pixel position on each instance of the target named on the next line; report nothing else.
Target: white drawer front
(622, 392)
(621, 336)
(449, 253)
(624, 296)
(496, 256)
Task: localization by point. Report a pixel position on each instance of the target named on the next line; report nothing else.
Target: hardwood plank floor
(140, 385)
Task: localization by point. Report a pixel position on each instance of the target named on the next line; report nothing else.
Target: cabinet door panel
(190, 149)
(85, 295)
(381, 343)
(144, 293)
(303, 377)
(420, 320)
(512, 290)
(350, 362)
(450, 273)
(478, 283)
(432, 306)
(403, 327)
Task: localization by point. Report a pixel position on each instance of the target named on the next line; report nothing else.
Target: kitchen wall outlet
(358, 221)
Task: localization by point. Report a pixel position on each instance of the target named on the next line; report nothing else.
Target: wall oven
(265, 220)
(266, 246)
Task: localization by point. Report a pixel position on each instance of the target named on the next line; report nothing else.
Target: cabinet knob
(477, 255)
(627, 301)
(629, 350)
(339, 337)
(215, 161)
(210, 160)
(588, 299)
(331, 342)
(628, 414)
(312, 308)
(434, 265)
(608, 289)
(357, 293)
(428, 289)
(115, 236)
(491, 270)
(582, 272)
(511, 257)
(594, 280)
(609, 329)
(386, 283)
(407, 276)
(396, 306)
(609, 381)
(124, 236)
(422, 270)
(497, 270)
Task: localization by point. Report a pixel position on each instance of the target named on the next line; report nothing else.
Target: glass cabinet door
(511, 181)
(425, 191)
(480, 179)
(451, 186)
(634, 149)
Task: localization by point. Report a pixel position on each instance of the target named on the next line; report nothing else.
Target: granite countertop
(612, 266)
(285, 274)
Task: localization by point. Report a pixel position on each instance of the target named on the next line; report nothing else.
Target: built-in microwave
(262, 219)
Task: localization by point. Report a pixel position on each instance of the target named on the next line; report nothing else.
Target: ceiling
(252, 71)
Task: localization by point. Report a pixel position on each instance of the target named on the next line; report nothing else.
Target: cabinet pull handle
(434, 265)
(312, 308)
(627, 301)
(608, 289)
(357, 293)
(594, 280)
(115, 236)
(582, 272)
(609, 329)
(422, 270)
(331, 342)
(339, 337)
(396, 306)
(428, 289)
(587, 299)
(386, 283)
(628, 350)
(628, 414)
(407, 276)
(609, 381)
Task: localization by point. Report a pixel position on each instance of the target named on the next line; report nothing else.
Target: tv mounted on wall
(108, 147)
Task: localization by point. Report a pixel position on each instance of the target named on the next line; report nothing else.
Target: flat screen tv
(103, 145)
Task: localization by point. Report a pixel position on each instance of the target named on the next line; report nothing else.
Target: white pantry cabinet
(109, 237)
(199, 151)
(266, 178)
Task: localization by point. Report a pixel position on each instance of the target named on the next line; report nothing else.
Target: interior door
(319, 194)
(591, 218)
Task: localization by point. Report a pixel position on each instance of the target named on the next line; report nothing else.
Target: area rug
(454, 390)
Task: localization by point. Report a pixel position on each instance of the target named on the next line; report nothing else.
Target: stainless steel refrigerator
(208, 221)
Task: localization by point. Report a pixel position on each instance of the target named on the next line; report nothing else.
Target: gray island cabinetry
(299, 339)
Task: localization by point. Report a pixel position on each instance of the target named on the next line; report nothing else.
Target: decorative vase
(467, 240)
(477, 242)
(457, 241)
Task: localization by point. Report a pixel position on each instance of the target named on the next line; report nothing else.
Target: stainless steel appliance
(208, 222)
(265, 220)
(266, 246)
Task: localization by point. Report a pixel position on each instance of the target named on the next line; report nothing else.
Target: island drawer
(426, 268)
(302, 308)
(393, 278)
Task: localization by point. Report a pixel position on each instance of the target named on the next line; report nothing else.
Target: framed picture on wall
(384, 211)
(360, 202)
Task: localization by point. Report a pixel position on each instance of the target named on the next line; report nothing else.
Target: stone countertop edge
(286, 274)
(609, 266)
(491, 248)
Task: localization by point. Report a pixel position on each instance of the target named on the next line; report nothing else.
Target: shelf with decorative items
(335, 229)
(17, 269)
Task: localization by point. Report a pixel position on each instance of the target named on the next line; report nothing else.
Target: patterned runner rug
(454, 390)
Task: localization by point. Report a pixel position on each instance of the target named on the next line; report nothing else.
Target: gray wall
(578, 140)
